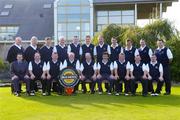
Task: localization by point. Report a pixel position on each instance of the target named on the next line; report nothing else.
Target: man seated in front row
(155, 74)
(73, 63)
(37, 70)
(105, 72)
(122, 74)
(53, 69)
(19, 71)
(88, 72)
(139, 74)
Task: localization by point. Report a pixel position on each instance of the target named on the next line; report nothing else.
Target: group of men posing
(113, 64)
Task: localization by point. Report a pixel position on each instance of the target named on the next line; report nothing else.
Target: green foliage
(160, 29)
(174, 45)
(2, 65)
(112, 30)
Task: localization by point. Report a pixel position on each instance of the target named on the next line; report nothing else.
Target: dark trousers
(76, 87)
(105, 77)
(167, 80)
(57, 87)
(158, 88)
(16, 84)
(144, 83)
(33, 84)
(119, 85)
(91, 84)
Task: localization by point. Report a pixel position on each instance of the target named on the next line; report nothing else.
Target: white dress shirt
(136, 51)
(101, 45)
(69, 49)
(169, 53)
(55, 49)
(78, 66)
(94, 66)
(150, 52)
(99, 66)
(34, 47)
(128, 65)
(30, 67)
(144, 67)
(160, 67)
(18, 46)
(60, 66)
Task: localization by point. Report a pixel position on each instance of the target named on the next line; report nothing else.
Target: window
(114, 13)
(102, 13)
(4, 13)
(8, 32)
(47, 6)
(114, 17)
(128, 20)
(61, 27)
(73, 18)
(128, 12)
(102, 20)
(8, 6)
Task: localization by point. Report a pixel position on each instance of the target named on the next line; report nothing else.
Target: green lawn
(89, 107)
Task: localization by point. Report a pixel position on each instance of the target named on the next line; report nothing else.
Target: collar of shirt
(62, 46)
(54, 61)
(114, 46)
(104, 62)
(161, 48)
(126, 48)
(71, 61)
(48, 46)
(18, 46)
(122, 61)
(88, 45)
(76, 44)
(34, 47)
(137, 64)
(142, 48)
(101, 45)
(37, 62)
(153, 63)
(88, 62)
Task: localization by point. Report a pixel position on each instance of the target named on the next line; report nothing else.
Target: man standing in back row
(165, 57)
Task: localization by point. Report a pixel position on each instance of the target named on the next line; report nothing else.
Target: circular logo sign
(68, 77)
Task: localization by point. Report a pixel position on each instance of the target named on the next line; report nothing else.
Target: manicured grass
(89, 107)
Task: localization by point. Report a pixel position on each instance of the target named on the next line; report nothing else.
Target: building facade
(55, 18)
(86, 17)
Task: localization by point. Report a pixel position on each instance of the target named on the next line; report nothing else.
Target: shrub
(160, 29)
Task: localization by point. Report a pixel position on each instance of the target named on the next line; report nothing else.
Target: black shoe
(167, 93)
(28, 93)
(84, 92)
(92, 92)
(144, 95)
(133, 94)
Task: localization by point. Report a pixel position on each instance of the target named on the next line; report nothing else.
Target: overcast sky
(173, 14)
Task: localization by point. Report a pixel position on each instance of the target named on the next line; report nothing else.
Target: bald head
(34, 40)
(71, 56)
(62, 40)
(18, 40)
